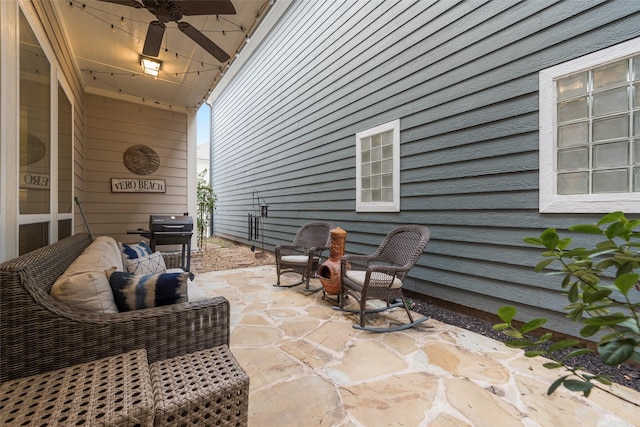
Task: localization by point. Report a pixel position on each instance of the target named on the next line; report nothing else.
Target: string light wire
(118, 18)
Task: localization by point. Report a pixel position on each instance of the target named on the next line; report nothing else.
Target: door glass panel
(64, 228)
(35, 138)
(64, 152)
(32, 237)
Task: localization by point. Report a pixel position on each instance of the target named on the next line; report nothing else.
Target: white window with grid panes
(590, 133)
(378, 168)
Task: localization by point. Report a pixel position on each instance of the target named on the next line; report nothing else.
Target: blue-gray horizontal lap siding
(462, 77)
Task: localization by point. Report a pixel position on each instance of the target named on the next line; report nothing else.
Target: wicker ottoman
(204, 388)
(115, 391)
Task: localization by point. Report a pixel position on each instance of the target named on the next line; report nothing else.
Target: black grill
(170, 224)
(170, 230)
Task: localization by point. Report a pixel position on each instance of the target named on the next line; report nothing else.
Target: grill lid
(169, 223)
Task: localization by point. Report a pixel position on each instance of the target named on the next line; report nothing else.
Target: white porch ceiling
(106, 40)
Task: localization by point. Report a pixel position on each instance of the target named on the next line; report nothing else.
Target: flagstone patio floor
(309, 367)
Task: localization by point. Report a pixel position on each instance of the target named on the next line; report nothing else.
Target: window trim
(549, 200)
(393, 206)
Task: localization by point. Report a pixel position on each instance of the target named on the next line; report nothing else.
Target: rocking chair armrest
(317, 251)
(286, 250)
(356, 257)
(356, 262)
(391, 270)
(311, 253)
(281, 250)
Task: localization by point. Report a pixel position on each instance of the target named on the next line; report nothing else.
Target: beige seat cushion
(85, 285)
(358, 276)
(98, 256)
(88, 291)
(114, 251)
(295, 259)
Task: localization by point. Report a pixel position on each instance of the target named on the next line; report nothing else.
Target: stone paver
(309, 367)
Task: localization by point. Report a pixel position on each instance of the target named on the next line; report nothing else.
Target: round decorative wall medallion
(33, 151)
(141, 160)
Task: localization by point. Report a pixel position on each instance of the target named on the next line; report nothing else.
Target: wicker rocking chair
(303, 255)
(380, 275)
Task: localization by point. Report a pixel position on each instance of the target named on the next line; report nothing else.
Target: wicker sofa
(38, 334)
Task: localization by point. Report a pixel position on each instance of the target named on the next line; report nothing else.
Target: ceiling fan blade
(203, 41)
(215, 7)
(131, 3)
(154, 38)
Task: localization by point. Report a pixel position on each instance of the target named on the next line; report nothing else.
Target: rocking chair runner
(303, 255)
(380, 275)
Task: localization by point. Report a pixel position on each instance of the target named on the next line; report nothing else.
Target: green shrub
(603, 289)
(206, 202)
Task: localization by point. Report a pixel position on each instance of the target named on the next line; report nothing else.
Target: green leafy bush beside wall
(603, 289)
(206, 199)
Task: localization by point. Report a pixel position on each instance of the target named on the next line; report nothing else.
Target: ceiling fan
(173, 10)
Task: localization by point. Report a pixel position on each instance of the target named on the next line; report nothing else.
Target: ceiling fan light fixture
(150, 66)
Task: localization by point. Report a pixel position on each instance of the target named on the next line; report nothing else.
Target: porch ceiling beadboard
(107, 40)
(462, 77)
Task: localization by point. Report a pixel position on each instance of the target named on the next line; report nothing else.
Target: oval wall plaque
(141, 160)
